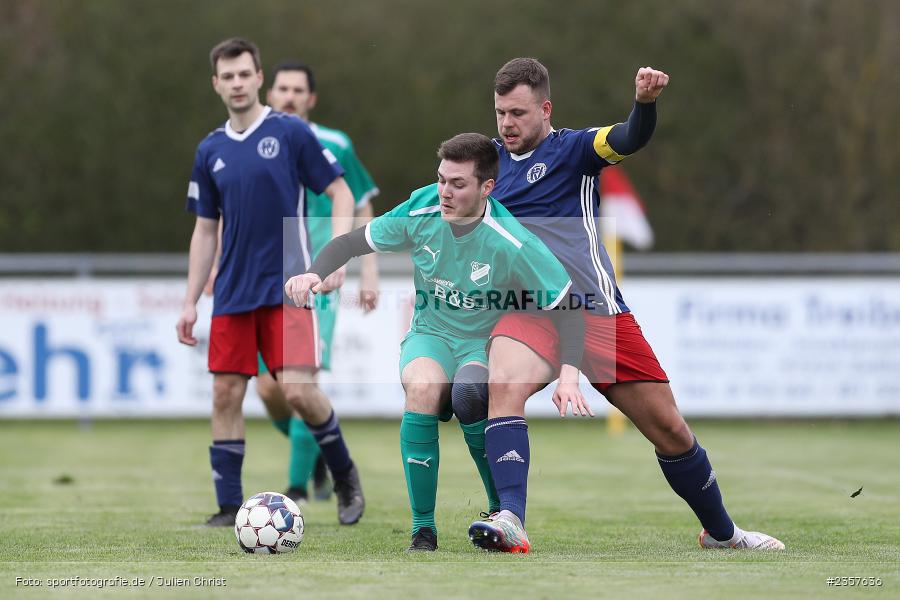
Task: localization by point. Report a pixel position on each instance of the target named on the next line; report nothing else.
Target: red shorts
(615, 350)
(286, 336)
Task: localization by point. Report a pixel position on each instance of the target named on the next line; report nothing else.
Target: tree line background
(779, 131)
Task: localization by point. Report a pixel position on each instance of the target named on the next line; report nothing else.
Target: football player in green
(473, 262)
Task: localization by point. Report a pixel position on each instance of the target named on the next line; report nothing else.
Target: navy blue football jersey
(253, 180)
(552, 190)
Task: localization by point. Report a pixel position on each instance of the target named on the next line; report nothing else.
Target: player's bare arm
(567, 392)
(209, 288)
(649, 84)
(341, 222)
(204, 242)
(368, 285)
(569, 325)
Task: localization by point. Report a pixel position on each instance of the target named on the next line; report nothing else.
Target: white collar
(240, 137)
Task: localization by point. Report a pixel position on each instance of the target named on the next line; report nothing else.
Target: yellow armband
(602, 147)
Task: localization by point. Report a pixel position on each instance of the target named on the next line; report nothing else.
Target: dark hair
(296, 66)
(523, 70)
(474, 147)
(232, 48)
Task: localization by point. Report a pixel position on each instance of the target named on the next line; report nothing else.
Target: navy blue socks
(693, 478)
(506, 444)
(331, 443)
(226, 458)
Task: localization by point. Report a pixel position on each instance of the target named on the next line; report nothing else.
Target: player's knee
(423, 397)
(227, 394)
(509, 395)
(469, 394)
(300, 395)
(503, 374)
(675, 437)
(267, 388)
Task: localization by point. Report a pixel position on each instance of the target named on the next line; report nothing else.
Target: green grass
(602, 521)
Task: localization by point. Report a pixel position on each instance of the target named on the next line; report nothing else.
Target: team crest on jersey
(481, 273)
(536, 171)
(268, 147)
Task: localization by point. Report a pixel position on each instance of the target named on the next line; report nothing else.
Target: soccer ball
(269, 523)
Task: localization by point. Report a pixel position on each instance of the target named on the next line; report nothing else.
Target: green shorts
(262, 369)
(450, 355)
(326, 315)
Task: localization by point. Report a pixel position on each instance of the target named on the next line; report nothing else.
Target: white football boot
(742, 540)
(500, 532)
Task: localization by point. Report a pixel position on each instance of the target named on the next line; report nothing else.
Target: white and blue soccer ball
(269, 523)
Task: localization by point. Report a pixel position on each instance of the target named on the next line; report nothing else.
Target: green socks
(304, 453)
(420, 452)
(284, 426)
(474, 436)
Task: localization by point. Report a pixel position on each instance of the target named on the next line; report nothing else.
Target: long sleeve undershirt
(629, 137)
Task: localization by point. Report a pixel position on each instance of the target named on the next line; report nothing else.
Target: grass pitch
(124, 499)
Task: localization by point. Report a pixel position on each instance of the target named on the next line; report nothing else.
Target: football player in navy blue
(548, 181)
(252, 173)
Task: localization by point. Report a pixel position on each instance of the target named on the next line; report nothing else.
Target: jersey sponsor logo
(433, 253)
(457, 299)
(536, 171)
(511, 456)
(220, 164)
(481, 273)
(424, 463)
(268, 147)
(439, 281)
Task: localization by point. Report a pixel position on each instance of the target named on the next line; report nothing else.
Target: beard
(524, 144)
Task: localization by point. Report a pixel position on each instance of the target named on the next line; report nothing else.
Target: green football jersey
(318, 209)
(465, 284)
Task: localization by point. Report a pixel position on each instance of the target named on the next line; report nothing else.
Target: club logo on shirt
(481, 273)
(536, 171)
(268, 147)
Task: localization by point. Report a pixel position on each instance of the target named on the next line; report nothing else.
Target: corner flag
(620, 201)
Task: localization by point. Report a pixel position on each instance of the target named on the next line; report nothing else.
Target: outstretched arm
(649, 84)
(632, 135)
(333, 256)
(629, 137)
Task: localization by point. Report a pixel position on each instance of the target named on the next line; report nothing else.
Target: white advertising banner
(731, 346)
(105, 348)
(775, 346)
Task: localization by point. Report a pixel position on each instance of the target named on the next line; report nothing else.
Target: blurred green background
(779, 131)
